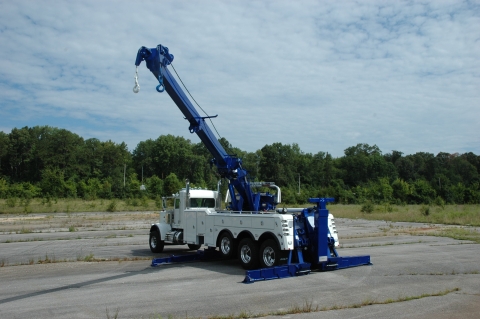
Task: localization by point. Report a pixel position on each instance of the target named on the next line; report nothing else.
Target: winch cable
(178, 76)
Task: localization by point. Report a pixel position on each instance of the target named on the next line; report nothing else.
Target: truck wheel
(269, 253)
(227, 245)
(156, 244)
(193, 246)
(248, 253)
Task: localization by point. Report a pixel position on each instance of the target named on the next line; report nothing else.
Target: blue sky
(404, 75)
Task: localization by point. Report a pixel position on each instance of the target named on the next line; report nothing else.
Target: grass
(460, 234)
(70, 205)
(465, 215)
(115, 315)
(47, 260)
(448, 214)
(455, 232)
(24, 231)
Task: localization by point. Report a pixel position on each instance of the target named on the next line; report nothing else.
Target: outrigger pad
(345, 262)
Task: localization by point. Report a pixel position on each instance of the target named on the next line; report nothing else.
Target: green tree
(115, 158)
(458, 193)
(168, 154)
(56, 148)
(70, 188)
(172, 184)
(423, 192)
(154, 186)
(277, 163)
(53, 182)
(20, 154)
(132, 188)
(385, 189)
(24, 190)
(402, 190)
(472, 194)
(90, 159)
(107, 188)
(363, 163)
(91, 189)
(462, 171)
(4, 143)
(3, 188)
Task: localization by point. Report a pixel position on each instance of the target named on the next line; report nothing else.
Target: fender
(162, 228)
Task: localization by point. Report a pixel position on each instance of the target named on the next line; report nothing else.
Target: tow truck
(270, 243)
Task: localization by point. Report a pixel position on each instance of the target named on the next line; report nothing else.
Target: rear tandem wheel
(269, 254)
(248, 253)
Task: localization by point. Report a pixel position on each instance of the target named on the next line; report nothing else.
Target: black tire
(226, 245)
(269, 254)
(156, 244)
(248, 253)
(193, 246)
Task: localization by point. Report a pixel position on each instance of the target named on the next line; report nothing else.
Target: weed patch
(11, 202)
(112, 206)
(115, 315)
(89, 258)
(368, 207)
(47, 260)
(460, 234)
(24, 231)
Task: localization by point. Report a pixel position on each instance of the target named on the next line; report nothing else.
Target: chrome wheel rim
(245, 254)
(268, 256)
(225, 245)
(153, 242)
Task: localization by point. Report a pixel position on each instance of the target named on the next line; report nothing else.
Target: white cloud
(325, 75)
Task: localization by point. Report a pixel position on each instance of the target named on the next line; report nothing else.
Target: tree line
(44, 161)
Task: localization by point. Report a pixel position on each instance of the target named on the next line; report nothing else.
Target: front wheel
(269, 253)
(248, 253)
(156, 244)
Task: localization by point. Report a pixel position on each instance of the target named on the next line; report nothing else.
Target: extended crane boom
(229, 166)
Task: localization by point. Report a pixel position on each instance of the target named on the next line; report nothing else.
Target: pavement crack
(75, 285)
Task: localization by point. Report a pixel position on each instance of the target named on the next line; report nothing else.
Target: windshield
(202, 202)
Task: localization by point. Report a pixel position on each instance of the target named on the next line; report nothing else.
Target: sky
(326, 75)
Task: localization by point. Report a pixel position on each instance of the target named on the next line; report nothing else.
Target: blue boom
(229, 166)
